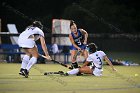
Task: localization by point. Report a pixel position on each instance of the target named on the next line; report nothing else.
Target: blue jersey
(78, 40)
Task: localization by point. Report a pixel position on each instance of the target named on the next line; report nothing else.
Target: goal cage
(60, 28)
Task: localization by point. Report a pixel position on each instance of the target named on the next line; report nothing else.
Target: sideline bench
(14, 50)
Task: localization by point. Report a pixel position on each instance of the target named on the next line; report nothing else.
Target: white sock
(73, 72)
(25, 61)
(32, 61)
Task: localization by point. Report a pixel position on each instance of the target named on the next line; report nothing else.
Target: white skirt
(26, 43)
(97, 72)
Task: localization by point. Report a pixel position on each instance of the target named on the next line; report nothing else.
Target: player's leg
(74, 62)
(85, 54)
(97, 72)
(25, 61)
(91, 70)
(73, 71)
(34, 53)
(86, 70)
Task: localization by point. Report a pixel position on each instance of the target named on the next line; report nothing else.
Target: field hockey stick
(50, 73)
(64, 65)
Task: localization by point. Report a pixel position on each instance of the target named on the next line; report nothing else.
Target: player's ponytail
(72, 23)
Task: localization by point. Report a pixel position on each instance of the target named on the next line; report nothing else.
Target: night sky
(31, 9)
(45, 10)
(23, 12)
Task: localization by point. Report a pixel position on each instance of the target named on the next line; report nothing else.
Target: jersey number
(79, 43)
(100, 60)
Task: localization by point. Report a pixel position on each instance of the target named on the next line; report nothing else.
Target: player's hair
(37, 24)
(92, 47)
(72, 23)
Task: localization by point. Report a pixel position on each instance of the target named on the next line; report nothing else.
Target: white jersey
(32, 31)
(97, 59)
(28, 37)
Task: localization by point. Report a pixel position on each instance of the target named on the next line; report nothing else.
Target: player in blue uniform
(78, 38)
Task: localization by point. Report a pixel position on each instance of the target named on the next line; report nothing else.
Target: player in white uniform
(96, 58)
(27, 41)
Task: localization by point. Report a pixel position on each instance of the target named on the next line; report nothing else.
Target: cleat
(64, 74)
(26, 73)
(79, 74)
(70, 67)
(21, 73)
(45, 73)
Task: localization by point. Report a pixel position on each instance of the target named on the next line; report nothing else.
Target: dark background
(95, 16)
(123, 14)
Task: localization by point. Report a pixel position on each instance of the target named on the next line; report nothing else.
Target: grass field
(124, 81)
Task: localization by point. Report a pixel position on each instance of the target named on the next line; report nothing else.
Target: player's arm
(72, 41)
(109, 62)
(85, 35)
(44, 47)
(88, 60)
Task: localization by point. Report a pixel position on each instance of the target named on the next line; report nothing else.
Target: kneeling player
(96, 58)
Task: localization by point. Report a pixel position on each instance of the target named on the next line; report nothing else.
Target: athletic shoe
(21, 73)
(26, 73)
(71, 67)
(65, 74)
(79, 74)
(45, 73)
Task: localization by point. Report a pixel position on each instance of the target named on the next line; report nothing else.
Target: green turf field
(124, 81)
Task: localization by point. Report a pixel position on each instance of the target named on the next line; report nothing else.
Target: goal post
(61, 27)
(61, 31)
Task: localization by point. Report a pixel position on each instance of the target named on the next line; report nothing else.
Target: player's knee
(81, 70)
(33, 60)
(85, 70)
(73, 60)
(26, 59)
(35, 55)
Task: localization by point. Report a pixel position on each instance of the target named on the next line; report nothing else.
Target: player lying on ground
(96, 58)
(27, 41)
(78, 38)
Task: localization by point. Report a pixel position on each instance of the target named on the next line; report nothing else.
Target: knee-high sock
(75, 65)
(32, 61)
(25, 61)
(73, 72)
